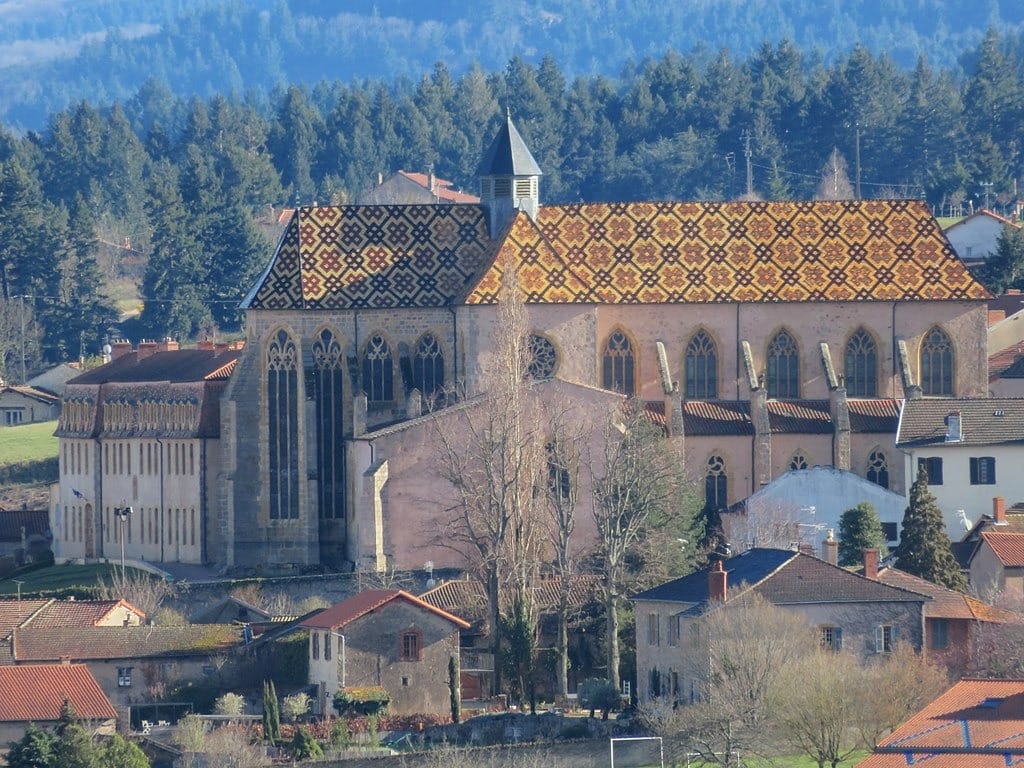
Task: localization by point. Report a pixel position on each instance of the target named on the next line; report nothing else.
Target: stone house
(387, 638)
(26, 405)
(996, 566)
(51, 613)
(404, 187)
(852, 612)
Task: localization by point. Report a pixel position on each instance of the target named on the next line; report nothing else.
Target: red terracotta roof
(1003, 360)
(717, 417)
(83, 643)
(1008, 547)
(367, 601)
(655, 410)
(77, 613)
(35, 692)
(801, 417)
(467, 596)
(874, 415)
(14, 612)
(975, 724)
(946, 603)
(442, 188)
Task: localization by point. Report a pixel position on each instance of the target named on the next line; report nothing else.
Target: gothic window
(283, 427)
(715, 483)
(428, 366)
(543, 360)
(559, 480)
(861, 365)
(878, 469)
(378, 371)
(701, 367)
(617, 365)
(798, 461)
(937, 364)
(783, 366)
(328, 390)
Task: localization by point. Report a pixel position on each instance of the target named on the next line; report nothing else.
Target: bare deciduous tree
(143, 590)
(233, 747)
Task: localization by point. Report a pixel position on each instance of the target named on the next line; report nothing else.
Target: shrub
(229, 704)
(295, 706)
(304, 746)
(368, 701)
(598, 693)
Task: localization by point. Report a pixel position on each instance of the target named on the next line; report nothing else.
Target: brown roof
(1007, 547)
(33, 521)
(183, 365)
(1004, 360)
(442, 188)
(717, 417)
(874, 415)
(984, 421)
(32, 392)
(367, 601)
(77, 613)
(136, 642)
(975, 724)
(14, 612)
(36, 692)
(807, 579)
(802, 417)
(467, 596)
(946, 603)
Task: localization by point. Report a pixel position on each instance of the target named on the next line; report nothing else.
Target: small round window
(543, 358)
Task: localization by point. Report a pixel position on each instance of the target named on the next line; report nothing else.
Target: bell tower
(509, 178)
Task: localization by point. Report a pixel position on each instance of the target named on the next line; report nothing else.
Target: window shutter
(991, 479)
(936, 469)
(879, 639)
(974, 471)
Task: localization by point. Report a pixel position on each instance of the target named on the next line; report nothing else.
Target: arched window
(328, 393)
(283, 426)
(799, 461)
(378, 371)
(543, 361)
(559, 479)
(936, 364)
(428, 366)
(878, 469)
(861, 365)
(617, 365)
(701, 367)
(716, 484)
(783, 366)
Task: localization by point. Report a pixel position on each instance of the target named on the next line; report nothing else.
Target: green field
(57, 578)
(27, 442)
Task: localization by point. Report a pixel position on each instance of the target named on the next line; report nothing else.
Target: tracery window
(618, 368)
(861, 377)
(701, 367)
(798, 461)
(878, 469)
(283, 428)
(328, 395)
(716, 483)
(783, 366)
(543, 360)
(937, 364)
(428, 366)
(378, 371)
(559, 479)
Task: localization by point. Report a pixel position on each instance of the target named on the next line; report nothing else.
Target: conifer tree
(859, 529)
(924, 548)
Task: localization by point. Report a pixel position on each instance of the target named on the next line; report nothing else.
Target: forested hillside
(152, 201)
(56, 52)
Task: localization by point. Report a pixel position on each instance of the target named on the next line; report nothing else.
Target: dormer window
(954, 429)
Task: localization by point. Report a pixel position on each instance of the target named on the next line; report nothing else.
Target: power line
(892, 184)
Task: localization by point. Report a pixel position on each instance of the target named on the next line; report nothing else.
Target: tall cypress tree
(924, 548)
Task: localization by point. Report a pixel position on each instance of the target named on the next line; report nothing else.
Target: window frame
(700, 367)
(983, 470)
(931, 463)
(782, 366)
(831, 637)
(885, 638)
(124, 677)
(936, 635)
(936, 362)
(619, 359)
(860, 364)
(654, 629)
(410, 646)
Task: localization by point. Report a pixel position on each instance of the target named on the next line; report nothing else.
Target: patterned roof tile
(984, 421)
(36, 693)
(717, 417)
(1008, 547)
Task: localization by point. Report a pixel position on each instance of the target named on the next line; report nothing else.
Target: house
(856, 613)
(996, 566)
(387, 638)
(797, 326)
(34, 694)
(26, 405)
(403, 188)
(1006, 371)
(53, 379)
(975, 237)
(139, 455)
(970, 449)
(975, 724)
(51, 613)
(1001, 519)
(803, 506)
(25, 532)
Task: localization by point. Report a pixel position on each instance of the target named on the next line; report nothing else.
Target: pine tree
(924, 548)
(859, 529)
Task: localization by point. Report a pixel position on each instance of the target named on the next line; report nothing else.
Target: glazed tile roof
(717, 417)
(367, 601)
(882, 415)
(136, 642)
(36, 692)
(803, 417)
(984, 421)
(1007, 547)
(946, 603)
(974, 724)
(386, 256)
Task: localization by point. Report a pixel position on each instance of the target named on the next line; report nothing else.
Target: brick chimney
(206, 345)
(830, 550)
(871, 563)
(145, 349)
(717, 583)
(120, 349)
(999, 510)
(167, 345)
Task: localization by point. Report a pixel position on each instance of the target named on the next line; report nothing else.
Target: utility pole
(747, 153)
(21, 304)
(857, 158)
(986, 187)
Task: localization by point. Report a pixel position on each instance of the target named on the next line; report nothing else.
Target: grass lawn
(27, 442)
(802, 761)
(58, 577)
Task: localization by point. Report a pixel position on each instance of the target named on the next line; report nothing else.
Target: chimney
(205, 345)
(871, 563)
(145, 349)
(999, 510)
(167, 345)
(717, 583)
(830, 550)
(120, 349)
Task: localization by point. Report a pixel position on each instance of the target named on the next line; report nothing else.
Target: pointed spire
(508, 154)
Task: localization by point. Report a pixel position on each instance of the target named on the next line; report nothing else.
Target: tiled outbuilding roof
(1007, 547)
(78, 613)
(974, 724)
(468, 597)
(983, 421)
(946, 603)
(13, 613)
(36, 692)
(442, 189)
(32, 393)
(83, 644)
(367, 601)
(717, 417)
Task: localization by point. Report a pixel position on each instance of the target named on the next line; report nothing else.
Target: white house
(974, 238)
(972, 449)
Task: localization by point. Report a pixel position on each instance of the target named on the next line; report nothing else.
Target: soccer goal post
(637, 752)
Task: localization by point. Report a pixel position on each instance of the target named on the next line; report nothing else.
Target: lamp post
(123, 514)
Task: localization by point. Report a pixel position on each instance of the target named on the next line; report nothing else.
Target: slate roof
(974, 724)
(946, 603)
(1007, 547)
(782, 577)
(983, 421)
(384, 256)
(142, 642)
(508, 154)
(183, 365)
(367, 601)
(36, 692)
(32, 393)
